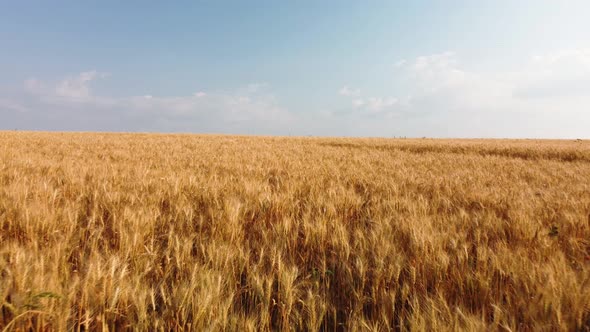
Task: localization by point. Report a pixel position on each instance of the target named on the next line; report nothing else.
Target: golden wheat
(188, 232)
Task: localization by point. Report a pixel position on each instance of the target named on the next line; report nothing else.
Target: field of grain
(196, 232)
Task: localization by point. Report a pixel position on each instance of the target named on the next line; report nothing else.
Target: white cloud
(437, 71)
(375, 105)
(358, 102)
(72, 102)
(378, 104)
(547, 95)
(346, 91)
(574, 58)
(434, 61)
(77, 86)
(563, 74)
(442, 78)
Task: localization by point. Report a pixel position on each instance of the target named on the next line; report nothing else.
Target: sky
(502, 68)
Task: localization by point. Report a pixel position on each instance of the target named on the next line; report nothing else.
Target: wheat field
(201, 232)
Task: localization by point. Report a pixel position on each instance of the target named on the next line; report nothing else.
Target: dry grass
(179, 232)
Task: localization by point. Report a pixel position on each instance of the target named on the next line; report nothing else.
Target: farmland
(193, 232)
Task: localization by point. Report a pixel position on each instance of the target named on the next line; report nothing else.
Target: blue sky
(330, 68)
